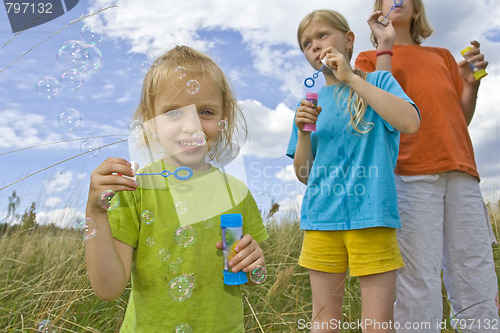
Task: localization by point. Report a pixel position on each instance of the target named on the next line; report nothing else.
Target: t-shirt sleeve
(124, 221)
(252, 220)
(386, 81)
(365, 62)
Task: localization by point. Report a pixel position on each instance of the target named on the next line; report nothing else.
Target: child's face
(179, 115)
(317, 36)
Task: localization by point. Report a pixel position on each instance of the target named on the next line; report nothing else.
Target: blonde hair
(356, 106)
(194, 64)
(420, 28)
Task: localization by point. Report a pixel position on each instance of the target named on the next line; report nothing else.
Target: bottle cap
(235, 279)
(311, 95)
(231, 220)
(467, 49)
(480, 74)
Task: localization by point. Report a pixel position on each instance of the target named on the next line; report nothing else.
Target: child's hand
(338, 63)
(105, 177)
(385, 35)
(306, 114)
(248, 256)
(475, 58)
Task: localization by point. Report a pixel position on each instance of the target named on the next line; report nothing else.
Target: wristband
(389, 52)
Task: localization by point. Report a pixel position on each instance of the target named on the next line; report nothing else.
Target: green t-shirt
(160, 299)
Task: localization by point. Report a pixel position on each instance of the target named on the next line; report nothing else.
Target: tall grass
(43, 277)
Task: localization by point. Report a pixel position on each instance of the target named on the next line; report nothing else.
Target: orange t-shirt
(430, 77)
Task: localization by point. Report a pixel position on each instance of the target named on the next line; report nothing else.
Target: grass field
(43, 277)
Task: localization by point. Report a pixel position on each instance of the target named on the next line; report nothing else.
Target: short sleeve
(364, 61)
(124, 221)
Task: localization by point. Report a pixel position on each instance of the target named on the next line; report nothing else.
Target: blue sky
(254, 43)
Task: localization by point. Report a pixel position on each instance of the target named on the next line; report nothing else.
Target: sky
(254, 42)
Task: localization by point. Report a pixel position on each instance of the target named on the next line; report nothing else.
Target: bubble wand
(309, 82)
(383, 19)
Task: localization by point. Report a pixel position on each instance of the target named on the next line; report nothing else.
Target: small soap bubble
(90, 147)
(183, 328)
(48, 87)
(164, 254)
(174, 268)
(146, 64)
(258, 275)
(92, 33)
(86, 227)
(109, 200)
(185, 236)
(147, 217)
(73, 54)
(180, 72)
(71, 80)
(45, 326)
(208, 223)
(181, 287)
(192, 87)
(222, 125)
(150, 241)
(95, 59)
(181, 207)
(70, 119)
(199, 138)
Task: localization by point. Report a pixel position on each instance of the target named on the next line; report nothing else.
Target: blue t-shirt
(351, 183)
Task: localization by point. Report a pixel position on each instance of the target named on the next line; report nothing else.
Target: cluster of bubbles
(77, 58)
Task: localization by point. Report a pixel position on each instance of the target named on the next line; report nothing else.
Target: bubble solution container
(311, 97)
(479, 73)
(232, 232)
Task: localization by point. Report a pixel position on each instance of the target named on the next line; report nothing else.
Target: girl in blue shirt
(349, 209)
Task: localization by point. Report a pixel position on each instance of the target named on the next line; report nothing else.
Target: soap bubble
(90, 147)
(70, 119)
(209, 223)
(175, 266)
(146, 64)
(185, 236)
(180, 72)
(147, 217)
(164, 254)
(199, 138)
(45, 326)
(92, 33)
(150, 241)
(95, 59)
(87, 227)
(74, 54)
(181, 207)
(48, 87)
(192, 87)
(258, 275)
(109, 200)
(71, 80)
(181, 287)
(183, 328)
(222, 125)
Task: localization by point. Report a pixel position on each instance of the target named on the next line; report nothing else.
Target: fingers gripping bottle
(479, 73)
(232, 232)
(311, 97)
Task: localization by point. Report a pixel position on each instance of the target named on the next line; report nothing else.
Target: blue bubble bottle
(232, 232)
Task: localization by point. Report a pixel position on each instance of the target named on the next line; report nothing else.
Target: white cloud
(268, 130)
(52, 202)
(59, 182)
(64, 218)
(287, 174)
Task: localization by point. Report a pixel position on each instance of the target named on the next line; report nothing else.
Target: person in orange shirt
(444, 223)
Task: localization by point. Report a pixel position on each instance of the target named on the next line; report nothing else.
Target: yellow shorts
(365, 251)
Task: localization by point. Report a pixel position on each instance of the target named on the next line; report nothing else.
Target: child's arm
(304, 158)
(385, 35)
(471, 85)
(109, 261)
(396, 111)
